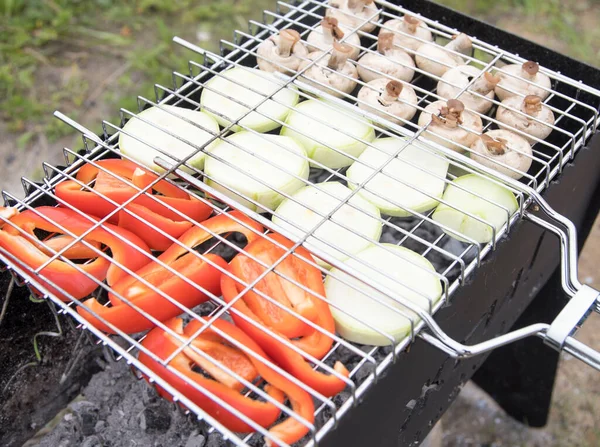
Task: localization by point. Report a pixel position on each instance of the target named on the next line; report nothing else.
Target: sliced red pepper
(25, 251)
(179, 258)
(222, 384)
(279, 321)
(157, 209)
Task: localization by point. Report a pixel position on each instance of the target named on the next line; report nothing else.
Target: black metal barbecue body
(517, 283)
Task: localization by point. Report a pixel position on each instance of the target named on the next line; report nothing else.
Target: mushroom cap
(352, 19)
(436, 59)
(316, 41)
(461, 76)
(403, 109)
(517, 153)
(402, 34)
(524, 123)
(270, 60)
(519, 84)
(319, 72)
(465, 134)
(396, 63)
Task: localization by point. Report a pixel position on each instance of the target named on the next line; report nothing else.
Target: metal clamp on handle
(559, 334)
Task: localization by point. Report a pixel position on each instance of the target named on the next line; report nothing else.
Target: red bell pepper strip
(25, 252)
(178, 258)
(155, 209)
(222, 384)
(256, 307)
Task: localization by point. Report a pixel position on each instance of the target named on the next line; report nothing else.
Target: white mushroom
(514, 77)
(437, 60)
(352, 13)
(331, 70)
(456, 79)
(407, 32)
(504, 150)
(382, 96)
(455, 123)
(390, 61)
(531, 107)
(282, 53)
(323, 36)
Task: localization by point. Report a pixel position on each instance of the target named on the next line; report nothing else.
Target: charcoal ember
(195, 440)
(156, 417)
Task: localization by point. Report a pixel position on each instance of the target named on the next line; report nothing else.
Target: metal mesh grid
(454, 261)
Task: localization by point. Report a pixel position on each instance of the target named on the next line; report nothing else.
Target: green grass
(35, 35)
(38, 73)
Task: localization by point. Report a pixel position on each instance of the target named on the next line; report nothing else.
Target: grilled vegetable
(331, 73)
(531, 107)
(328, 32)
(409, 32)
(176, 131)
(320, 120)
(389, 60)
(179, 258)
(416, 169)
(437, 60)
(283, 52)
(488, 201)
(247, 88)
(353, 13)
(451, 121)
(307, 207)
(384, 98)
(27, 252)
(514, 81)
(222, 384)
(369, 317)
(458, 78)
(157, 209)
(286, 326)
(241, 168)
(506, 147)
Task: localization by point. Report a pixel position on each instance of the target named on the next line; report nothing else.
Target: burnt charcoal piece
(87, 414)
(156, 417)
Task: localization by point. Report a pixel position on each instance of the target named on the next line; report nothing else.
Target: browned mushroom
(282, 53)
(391, 61)
(323, 36)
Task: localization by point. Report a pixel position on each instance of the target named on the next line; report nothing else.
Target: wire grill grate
(574, 104)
